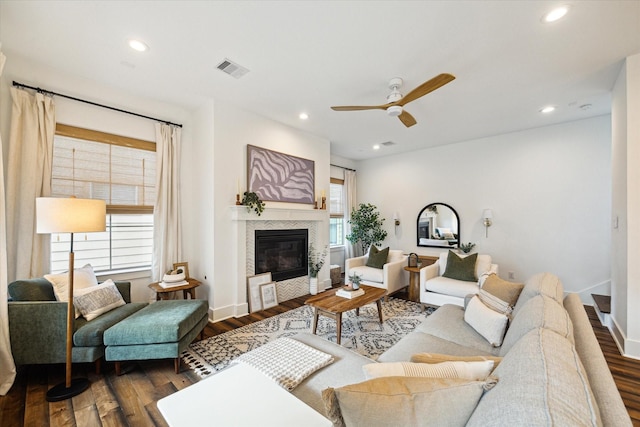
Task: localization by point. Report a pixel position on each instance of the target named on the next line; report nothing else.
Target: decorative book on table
(173, 284)
(349, 293)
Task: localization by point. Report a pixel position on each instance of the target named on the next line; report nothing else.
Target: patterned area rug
(363, 334)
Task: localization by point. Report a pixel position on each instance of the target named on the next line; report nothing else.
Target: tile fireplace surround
(314, 220)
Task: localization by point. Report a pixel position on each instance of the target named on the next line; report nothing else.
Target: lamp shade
(487, 214)
(70, 215)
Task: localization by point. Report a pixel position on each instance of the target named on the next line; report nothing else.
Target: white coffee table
(238, 396)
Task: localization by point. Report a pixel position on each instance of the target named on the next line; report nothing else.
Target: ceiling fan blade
(425, 88)
(407, 119)
(359, 107)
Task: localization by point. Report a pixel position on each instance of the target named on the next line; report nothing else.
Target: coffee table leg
(315, 319)
(338, 327)
(358, 311)
(378, 303)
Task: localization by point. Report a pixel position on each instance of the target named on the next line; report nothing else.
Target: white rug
(364, 334)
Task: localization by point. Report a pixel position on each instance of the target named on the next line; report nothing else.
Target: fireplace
(281, 252)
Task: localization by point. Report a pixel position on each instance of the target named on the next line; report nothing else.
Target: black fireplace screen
(282, 252)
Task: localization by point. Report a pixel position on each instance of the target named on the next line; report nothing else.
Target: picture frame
(185, 267)
(253, 290)
(268, 295)
(280, 177)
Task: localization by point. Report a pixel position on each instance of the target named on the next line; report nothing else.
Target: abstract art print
(280, 177)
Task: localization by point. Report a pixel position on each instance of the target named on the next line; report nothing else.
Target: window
(119, 170)
(336, 212)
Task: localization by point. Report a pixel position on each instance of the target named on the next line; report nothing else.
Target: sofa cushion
(544, 383)
(395, 255)
(90, 333)
(539, 312)
(448, 323)
(487, 322)
(461, 268)
(438, 358)
(506, 291)
(82, 278)
(540, 284)
(377, 257)
(483, 263)
(369, 274)
(31, 290)
(476, 370)
(96, 300)
(453, 287)
(403, 401)
(493, 302)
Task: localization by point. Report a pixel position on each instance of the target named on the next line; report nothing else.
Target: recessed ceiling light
(303, 116)
(376, 147)
(138, 45)
(555, 14)
(548, 109)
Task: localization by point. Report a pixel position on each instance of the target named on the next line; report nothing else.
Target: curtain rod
(45, 91)
(342, 167)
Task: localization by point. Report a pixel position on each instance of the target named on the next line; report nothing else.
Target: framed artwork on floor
(268, 295)
(253, 290)
(280, 177)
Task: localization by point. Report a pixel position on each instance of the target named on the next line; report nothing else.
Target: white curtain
(7, 367)
(167, 229)
(351, 250)
(28, 176)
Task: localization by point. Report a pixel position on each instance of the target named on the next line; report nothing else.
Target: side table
(188, 289)
(414, 283)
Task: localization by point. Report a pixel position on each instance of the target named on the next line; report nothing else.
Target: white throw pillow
(82, 278)
(488, 323)
(96, 300)
(476, 371)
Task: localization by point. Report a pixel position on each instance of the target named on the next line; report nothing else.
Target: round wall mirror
(438, 226)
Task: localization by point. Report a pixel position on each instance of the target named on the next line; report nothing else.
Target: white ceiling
(310, 55)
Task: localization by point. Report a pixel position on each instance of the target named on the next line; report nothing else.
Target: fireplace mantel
(239, 213)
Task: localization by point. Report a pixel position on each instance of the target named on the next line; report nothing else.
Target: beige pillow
(82, 278)
(488, 323)
(466, 370)
(438, 358)
(494, 303)
(506, 291)
(404, 401)
(96, 300)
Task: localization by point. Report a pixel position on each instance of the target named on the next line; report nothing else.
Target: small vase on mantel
(313, 285)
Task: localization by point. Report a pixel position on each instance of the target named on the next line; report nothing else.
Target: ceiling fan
(396, 101)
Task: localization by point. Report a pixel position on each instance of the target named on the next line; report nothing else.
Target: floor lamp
(69, 215)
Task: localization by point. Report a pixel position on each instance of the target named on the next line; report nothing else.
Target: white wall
(222, 164)
(625, 275)
(92, 117)
(549, 189)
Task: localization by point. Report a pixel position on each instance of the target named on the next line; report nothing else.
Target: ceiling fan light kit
(396, 101)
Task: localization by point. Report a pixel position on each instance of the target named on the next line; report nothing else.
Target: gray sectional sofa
(552, 370)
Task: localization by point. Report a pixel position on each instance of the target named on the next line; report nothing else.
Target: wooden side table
(414, 282)
(188, 289)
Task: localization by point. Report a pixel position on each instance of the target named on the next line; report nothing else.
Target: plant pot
(313, 285)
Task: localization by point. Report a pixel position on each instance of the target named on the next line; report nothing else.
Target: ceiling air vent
(231, 68)
(388, 143)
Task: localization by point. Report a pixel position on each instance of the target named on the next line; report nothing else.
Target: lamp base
(62, 392)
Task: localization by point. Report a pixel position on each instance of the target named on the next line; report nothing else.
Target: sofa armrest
(38, 331)
(395, 276)
(354, 262)
(125, 290)
(428, 272)
(492, 270)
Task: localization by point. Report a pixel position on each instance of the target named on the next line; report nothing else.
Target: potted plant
(355, 281)
(466, 247)
(366, 226)
(251, 200)
(316, 261)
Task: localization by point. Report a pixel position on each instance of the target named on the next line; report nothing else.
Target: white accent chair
(437, 290)
(392, 276)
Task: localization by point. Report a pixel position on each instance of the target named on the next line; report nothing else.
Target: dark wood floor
(130, 399)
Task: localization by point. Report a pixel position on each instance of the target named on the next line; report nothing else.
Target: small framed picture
(253, 290)
(268, 295)
(184, 266)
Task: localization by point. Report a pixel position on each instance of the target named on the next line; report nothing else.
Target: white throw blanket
(286, 361)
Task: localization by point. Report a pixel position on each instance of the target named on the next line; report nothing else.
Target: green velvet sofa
(37, 324)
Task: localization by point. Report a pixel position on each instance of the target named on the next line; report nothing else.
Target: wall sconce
(396, 219)
(487, 215)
